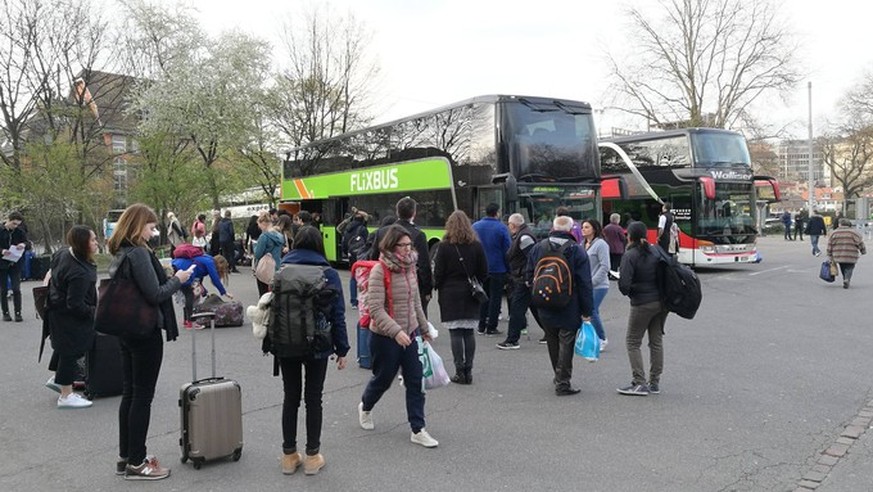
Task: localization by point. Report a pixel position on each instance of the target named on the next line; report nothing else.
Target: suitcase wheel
(236, 454)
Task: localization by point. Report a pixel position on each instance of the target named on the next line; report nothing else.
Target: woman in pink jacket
(396, 318)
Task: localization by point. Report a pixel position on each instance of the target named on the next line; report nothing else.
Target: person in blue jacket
(271, 242)
(309, 250)
(216, 268)
(494, 236)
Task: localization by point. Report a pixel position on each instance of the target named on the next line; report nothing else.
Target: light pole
(810, 198)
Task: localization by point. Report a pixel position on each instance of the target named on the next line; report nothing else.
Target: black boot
(468, 375)
(6, 317)
(459, 378)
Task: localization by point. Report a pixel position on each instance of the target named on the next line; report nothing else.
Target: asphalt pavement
(761, 391)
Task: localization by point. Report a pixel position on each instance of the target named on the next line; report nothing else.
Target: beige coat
(408, 313)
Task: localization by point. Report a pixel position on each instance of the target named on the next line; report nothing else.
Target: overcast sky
(433, 53)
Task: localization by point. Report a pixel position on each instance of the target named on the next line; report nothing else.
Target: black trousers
(561, 343)
(141, 364)
(10, 277)
(227, 251)
(311, 389)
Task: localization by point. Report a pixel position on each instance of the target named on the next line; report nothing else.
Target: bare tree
(322, 89)
(704, 62)
(849, 156)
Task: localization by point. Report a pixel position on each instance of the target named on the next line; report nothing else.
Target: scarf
(397, 264)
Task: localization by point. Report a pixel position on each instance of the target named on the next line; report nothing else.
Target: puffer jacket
(407, 312)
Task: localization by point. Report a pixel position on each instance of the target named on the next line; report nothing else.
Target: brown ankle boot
(312, 464)
(290, 462)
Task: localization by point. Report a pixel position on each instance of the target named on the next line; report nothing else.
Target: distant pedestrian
(639, 281)
(786, 224)
(666, 231)
(460, 257)
(799, 220)
(215, 237)
(175, 232)
(494, 236)
(616, 238)
(815, 229)
(577, 228)
(12, 237)
(198, 232)
(845, 247)
(71, 303)
(226, 238)
(396, 318)
(286, 228)
(562, 323)
(253, 232)
(354, 243)
(270, 242)
(598, 259)
(523, 240)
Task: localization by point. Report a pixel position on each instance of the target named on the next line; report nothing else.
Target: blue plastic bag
(588, 343)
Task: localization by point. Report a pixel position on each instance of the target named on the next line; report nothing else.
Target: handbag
(825, 272)
(40, 299)
(265, 270)
(121, 309)
(476, 289)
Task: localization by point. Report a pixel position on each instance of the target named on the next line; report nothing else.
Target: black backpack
(301, 312)
(678, 284)
(552, 283)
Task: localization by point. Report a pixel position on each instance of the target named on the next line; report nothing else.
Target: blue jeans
(388, 358)
(599, 294)
(490, 310)
(353, 290)
(813, 238)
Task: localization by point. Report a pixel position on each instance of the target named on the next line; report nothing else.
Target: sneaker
(193, 326)
(817, 253)
(290, 462)
(354, 307)
(120, 466)
(567, 391)
(493, 333)
(74, 400)
(18, 317)
(312, 464)
(6, 317)
(603, 344)
(365, 418)
(480, 331)
(543, 341)
(634, 390)
(150, 469)
(508, 346)
(50, 384)
(424, 439)
(654, 388)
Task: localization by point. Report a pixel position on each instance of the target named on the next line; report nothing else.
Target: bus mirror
(511, 188)
(768, 188)
(708, 187)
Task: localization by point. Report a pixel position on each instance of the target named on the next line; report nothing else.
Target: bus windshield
(538, 204)
(551, 141)
(728, 217)
(719, 149)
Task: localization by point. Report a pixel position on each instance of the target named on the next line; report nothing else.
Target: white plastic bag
(433, 371)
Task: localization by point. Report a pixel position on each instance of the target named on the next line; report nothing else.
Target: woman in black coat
(71, 302)
(459, 257)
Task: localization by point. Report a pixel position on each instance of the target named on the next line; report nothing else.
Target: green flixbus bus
(527, 154)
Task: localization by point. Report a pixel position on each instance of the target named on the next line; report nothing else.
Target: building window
(119, 144)
(119, 175)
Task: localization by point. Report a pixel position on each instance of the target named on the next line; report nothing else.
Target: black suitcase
(211, 411)
(104, 375)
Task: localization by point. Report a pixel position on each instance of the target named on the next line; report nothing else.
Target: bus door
(682, 207)
(486, 195)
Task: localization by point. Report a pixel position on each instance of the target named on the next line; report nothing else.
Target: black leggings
(67, 370)
(141, 363)
(292, 378)
(463, 347)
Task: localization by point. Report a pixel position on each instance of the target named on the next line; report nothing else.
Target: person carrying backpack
(299, 349)
(639, 281)
(560, 278)
(396, 319)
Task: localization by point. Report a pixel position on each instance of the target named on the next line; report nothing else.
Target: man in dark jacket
(226, 239)
(406, 210)
(494, 236)
(799, 219)
(816, 228)
(665, 226)
(522, 242)
(562, 324)
(13, 242)
(354, 241)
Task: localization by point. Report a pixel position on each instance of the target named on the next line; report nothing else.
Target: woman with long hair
(71, 303)
(639, 281)
(141, 357)
(460, 256)
(217, 269)
(396, 319)
(598, 259)
(270, 242)
(309, 250)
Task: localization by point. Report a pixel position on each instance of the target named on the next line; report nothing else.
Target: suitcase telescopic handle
(195, 317)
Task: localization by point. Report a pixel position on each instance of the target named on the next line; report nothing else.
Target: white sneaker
(424, 439)
(364, 418)
(603, 344)
(73, 400)
(52, 385)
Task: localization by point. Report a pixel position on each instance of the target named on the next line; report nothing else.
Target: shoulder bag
(121, 309)
(265, 270)
(476, 289)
